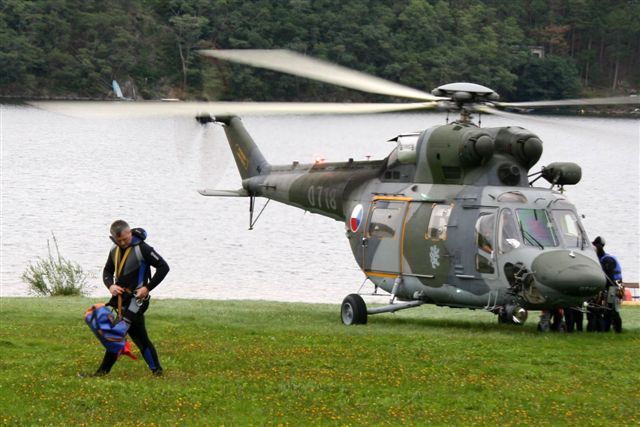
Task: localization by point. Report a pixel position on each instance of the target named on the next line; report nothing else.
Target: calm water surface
(73, 177)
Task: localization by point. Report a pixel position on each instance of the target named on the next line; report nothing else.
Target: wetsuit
(130, 269)
(613, 270)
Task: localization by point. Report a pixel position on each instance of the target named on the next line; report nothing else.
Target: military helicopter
(450, 217)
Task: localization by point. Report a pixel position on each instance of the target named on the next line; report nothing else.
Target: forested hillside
(62, 48)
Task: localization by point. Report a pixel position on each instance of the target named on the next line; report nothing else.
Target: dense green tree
(552, 77)
(76, 47)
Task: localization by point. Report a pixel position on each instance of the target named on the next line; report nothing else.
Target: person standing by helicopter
(614, 290)
(573, 317)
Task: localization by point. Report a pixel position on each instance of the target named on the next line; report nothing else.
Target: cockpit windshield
(570, 229)
(536, 228)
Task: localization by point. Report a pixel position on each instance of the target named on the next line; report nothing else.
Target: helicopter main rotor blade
(290, 62)
(615, 100)
(547, 120)
(512, 116)
(168, 109)
(158, 108)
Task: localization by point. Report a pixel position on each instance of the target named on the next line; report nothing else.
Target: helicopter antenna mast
(465, 116)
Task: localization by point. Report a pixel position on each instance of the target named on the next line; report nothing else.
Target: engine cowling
(520, 143)
(453, 148)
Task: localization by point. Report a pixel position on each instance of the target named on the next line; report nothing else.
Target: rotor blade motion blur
(201, 151)
(192, 109)
(289, 62)
(513, 116)
(616, 100)
(489, 110)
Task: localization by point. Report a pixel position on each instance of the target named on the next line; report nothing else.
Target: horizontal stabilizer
(224, 193)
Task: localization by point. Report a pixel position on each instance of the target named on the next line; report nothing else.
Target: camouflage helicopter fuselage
(448, 218)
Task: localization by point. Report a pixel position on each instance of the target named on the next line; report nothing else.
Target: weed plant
(55, 275)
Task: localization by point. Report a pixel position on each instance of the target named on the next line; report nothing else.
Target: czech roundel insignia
(356, 218)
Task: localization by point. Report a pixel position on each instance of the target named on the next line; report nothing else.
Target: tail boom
(248, 157)
(321, 188)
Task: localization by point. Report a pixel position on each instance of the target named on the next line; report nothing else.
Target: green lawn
(241, 363)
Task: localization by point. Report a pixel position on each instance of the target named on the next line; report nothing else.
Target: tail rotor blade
(202, 152)
(213, 155)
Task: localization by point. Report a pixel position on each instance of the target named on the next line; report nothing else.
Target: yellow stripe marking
(242, 157)
(381, 274)
(119, 263)
(403, 231)
(399, 198)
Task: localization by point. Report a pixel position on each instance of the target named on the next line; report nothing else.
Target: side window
(509, 236)
(485, 227)
(438, 222)
(385, 219)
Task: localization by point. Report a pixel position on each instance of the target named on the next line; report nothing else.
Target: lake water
(73, 177)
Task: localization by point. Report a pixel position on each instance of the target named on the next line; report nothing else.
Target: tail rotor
(201, 151)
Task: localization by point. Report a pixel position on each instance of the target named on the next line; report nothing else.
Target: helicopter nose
(569, 273)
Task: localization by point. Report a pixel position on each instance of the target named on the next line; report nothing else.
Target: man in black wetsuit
(127, 273)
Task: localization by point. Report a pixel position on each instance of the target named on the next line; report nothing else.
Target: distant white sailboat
(118, 92)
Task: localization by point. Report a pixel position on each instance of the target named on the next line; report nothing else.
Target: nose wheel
(353, 310)
(512, 314)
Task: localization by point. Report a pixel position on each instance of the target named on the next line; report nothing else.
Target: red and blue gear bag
(109, 330)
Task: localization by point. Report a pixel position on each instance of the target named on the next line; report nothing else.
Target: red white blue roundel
(356, 218)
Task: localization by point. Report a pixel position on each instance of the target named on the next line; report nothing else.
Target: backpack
(110, 331)
(140, 233)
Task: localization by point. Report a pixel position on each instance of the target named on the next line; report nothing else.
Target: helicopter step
(354, 310)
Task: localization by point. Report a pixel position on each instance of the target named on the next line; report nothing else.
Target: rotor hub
(464, 93)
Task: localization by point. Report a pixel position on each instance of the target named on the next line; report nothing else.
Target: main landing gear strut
(354, 310)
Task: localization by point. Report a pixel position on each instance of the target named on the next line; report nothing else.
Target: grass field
(264, 363)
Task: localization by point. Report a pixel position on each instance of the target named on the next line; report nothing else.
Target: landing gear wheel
(353, 310)
(513, 315)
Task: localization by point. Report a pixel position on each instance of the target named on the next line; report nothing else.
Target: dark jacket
(611, 268)
(136, 271)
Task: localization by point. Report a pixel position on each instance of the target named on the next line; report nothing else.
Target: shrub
(55, 275)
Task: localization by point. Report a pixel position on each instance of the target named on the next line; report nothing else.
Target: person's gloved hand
(116, 290)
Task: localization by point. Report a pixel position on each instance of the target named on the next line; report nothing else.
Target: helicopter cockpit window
(569, 228)
(438, 222)
(509, 236)
(484, 240)
(385, 219)
(537, 228)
